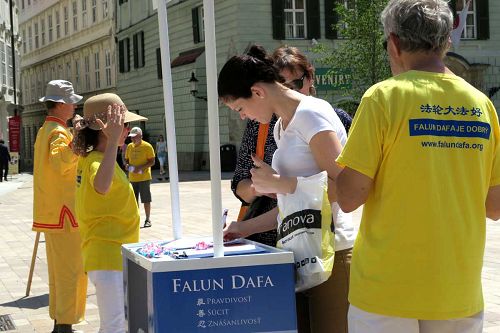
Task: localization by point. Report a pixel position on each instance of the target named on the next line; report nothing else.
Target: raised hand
(113, 128)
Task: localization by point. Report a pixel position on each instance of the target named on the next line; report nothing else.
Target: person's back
(422, 156)
(438, 148)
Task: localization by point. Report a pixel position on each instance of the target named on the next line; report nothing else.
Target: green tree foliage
(360, 44)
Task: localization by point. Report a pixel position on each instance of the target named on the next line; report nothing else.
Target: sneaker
(147, 224)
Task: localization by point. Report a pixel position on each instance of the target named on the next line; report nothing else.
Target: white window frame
(37, 39)
(105, 9)
(51, 27)
(294, 34)
(3, 60)
(86, 61)
(97, 71)
(30, 38)
(107, 64)
(470, 30)
(58, 25)
(75, 15)
(77, 74)
(94, 11)
(42, 26)
(84, 14)
(66, 20)
(201, 23)
(25, 50)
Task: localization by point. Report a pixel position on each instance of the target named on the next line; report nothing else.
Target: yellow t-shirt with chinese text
(139, 155)
(431, 144)
(106, 220)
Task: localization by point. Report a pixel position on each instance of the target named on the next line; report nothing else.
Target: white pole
(213, 126)
(169, 118)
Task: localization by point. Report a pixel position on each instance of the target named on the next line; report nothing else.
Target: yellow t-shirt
(139, 155)
(430, 142)
(106, 220)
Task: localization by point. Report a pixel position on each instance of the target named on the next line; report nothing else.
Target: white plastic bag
(304, 227)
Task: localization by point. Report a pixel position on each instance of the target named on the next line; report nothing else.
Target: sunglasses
(296, 84)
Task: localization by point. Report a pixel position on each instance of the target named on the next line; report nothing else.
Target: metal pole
(169, 118)
(213, 126)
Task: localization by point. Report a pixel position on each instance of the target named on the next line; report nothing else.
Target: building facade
(63, 39)
(270, 23)
(10, 40)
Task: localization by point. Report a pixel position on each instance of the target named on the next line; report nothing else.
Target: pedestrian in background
(140, 157)
(161, 153)
(4, 160)
(54, 174)
(423, 156)
(105, 206)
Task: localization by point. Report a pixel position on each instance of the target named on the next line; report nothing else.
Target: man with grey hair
(54, 186)
(423, 156)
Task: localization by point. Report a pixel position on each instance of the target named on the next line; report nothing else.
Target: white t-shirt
(294, 157)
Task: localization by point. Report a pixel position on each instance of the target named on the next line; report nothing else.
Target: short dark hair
(50, 104)
(240, 73)
(2, 141)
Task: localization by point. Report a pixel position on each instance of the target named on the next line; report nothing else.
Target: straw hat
(97, 106)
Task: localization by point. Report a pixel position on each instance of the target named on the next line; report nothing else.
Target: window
(94, 11)
(122, 1)
(69, 75)
(105, 8)
(51, 28)
(75, 17)
(107, 56)
(66, 24)
(124, 54)
(477, 21)
(331, 19)
(22, 4)
(30, 38)
(97, 73)
(24, 41)
(296, 19)
(36, 36)
(198, 25)
(87, 72)
(3, 67)
(158, 64)
(58, 25)
(84, 13)
(139, 50)
(77, 74)
(10, 66)
(42, 26)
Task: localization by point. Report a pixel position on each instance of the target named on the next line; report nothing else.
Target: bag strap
(259, 151)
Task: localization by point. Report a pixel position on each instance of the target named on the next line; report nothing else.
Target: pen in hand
(224, 217)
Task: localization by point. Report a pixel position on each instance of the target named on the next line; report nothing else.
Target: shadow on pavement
(26, 302)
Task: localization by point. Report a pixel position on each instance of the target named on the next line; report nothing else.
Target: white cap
(134, 131)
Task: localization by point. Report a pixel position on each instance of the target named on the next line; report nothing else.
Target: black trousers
(4, 169)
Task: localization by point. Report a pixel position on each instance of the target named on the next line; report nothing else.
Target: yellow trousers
(67, 279)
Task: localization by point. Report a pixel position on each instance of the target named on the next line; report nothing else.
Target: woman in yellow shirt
(105, 203)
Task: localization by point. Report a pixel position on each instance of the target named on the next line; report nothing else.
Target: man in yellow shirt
(54, 176)
(423, 156)
(140, 157)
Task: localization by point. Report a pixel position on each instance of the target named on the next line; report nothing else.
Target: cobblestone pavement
(30, 314)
